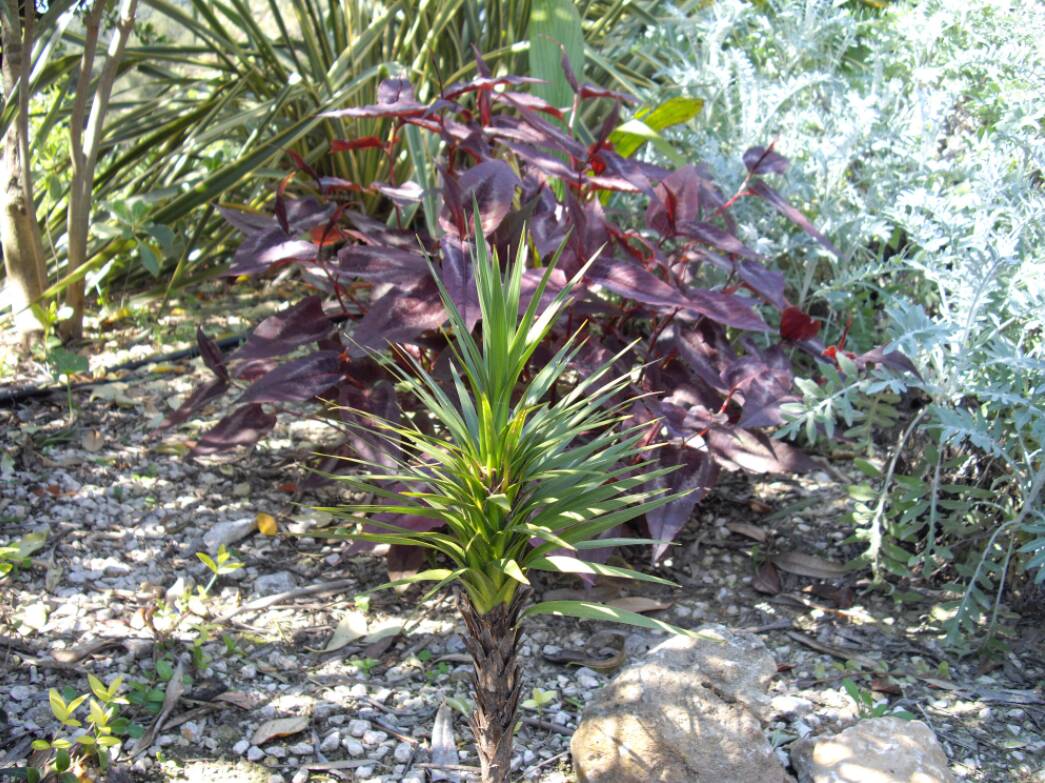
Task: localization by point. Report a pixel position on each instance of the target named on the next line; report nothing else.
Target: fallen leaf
(238, 699)
(638, 603)
(766, 579)
(266, 524)
(384, 630)
(754, 532)
(77, 654)
(280, 727)
(92, 441)
(444, 748)
(351, 627)
(808, 565)
(175, 689)
(759, 507)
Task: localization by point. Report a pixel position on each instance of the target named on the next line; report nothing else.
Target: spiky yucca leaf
(515, 477)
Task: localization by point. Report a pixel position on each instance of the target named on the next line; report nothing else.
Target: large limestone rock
(878, 750)
(686, 713)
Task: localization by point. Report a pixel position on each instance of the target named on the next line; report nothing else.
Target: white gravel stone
(358, 727)
(255, 754)
(228, 533)
(301, 749)
(330, 742)
(20, 692)
(301, 776)
(403, 753)
(270, 584)
(240, 747)
(354, 747)
(373, 737)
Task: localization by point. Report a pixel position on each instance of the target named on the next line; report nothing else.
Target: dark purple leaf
(719, 238)
(459, 279)
(894, 360)
(728, 309)
(398, 316)
(767, 283)
(531, 102)
(392, 91)
(297, 380)
(212, 355)
(281, 333)
(763, 160)
(259, 252)
(490, 184)
(395, 98)
(698, 474)
(736, 448)
(487, 84)
(568, 72)
(245, 221)
(779, 203)
(634, 282)
(763, 384)
(677, 199)
(407, 193)
(243, 427)
(402, 268)
(196, 402)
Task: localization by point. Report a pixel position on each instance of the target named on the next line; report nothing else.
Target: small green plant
(222, 563)
(364, 665)
(104, 728)
(64, 364)
(866, 704)
(539, 699)
(18, 556)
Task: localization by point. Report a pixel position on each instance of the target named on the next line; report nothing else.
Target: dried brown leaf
(278, 727)
(812, 566)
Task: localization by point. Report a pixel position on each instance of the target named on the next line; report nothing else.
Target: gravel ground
(116, 588)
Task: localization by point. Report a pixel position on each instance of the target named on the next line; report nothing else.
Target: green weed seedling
(867, 706)
(104, 729)
(18, 556)
(222, 563)
(539, 699)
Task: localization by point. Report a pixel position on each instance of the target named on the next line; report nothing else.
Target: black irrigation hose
(13, 396)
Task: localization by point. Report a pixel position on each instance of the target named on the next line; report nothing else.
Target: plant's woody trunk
(493, 641)
(19, 231)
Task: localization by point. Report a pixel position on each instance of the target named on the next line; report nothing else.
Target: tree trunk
(19, 231)
(493, 642)
(85, 138)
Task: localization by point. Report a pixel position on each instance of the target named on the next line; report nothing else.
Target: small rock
(301, 749)
(358, 727)
(886, 750)
(374, 737)
(255, 754)
(228, 533)
(301, 776)
(364, 772)
(586, 678)
(785, 705)
(19, 692)
(403, 753)
(330, 742)
(270, 584)
(354, 747)
(240, 747)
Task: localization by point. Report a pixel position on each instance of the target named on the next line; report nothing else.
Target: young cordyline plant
(523, 478)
